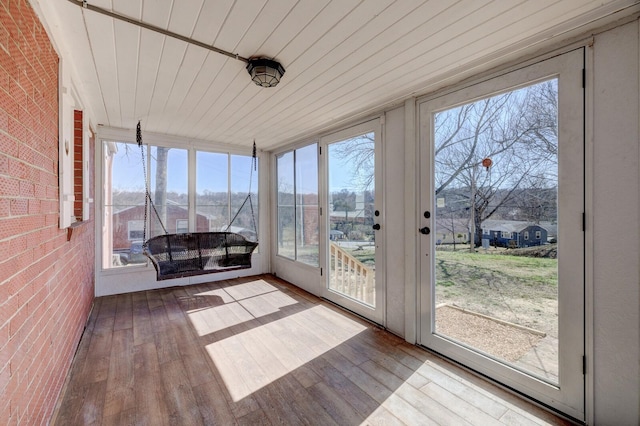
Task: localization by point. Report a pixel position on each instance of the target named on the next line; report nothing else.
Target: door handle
(376, 226)
(425, 230)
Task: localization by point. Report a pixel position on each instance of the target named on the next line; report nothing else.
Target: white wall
(393, 151)
(615, 225)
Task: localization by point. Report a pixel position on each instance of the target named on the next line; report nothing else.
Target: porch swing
(196, 253)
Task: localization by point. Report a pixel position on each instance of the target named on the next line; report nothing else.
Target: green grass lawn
(366, 256)
(463, 265)
(518, 289)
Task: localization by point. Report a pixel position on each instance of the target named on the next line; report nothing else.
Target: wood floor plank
(180, 401)
(171, 305)
(214, 408)
(306, 408)
(91, 413)
(464, 409)
(164, 336)
(149, 396)
(124, 313)
(119, 393)
(108, 307)
(514, 418)
(193, 356)
(256, 351)
(384, 359)
(461, 384)
(378, 392)
(434, 410)
(127, 417)
(254, 418)
(345, 388)
(339, 409)
(233, 383)
(142, 331)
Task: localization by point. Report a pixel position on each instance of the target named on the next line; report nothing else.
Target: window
(506, 234)
(135, 230)
(297, 222)
(538, 235)
(221, 185)
(526, 235)
(182, 226)
(168, 188)
(242, 178)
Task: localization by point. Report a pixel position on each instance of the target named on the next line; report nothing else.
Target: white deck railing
(351, 277)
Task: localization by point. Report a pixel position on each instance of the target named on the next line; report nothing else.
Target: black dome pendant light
(265, 72)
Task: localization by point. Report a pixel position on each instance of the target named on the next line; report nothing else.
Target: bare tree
(160, 190)
(359, 154)
(517, 131)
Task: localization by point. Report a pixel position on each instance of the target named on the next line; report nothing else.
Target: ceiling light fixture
(265, 72)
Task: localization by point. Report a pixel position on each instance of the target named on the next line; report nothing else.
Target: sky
(211, 170)
(341, 174)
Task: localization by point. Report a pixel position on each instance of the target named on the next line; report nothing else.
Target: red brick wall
(46, 282)
(121, 223)
(77, 164)
(311, 218)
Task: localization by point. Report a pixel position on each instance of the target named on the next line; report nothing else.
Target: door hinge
(584, 222)
(320, 211)
(584, 364)
(320, 150)
(584, 78)
(320, 271)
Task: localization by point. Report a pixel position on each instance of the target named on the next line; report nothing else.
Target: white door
(501, 238)
(353, 225)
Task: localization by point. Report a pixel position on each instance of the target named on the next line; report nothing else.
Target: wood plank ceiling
(343, 58)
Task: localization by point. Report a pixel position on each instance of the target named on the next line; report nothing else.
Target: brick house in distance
(128, 224)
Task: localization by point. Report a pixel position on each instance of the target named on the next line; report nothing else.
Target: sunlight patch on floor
(237, 304)
(255, 358)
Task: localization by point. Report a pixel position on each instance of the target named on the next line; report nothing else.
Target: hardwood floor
(261, 351)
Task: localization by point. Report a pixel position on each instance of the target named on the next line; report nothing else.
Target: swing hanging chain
(254, 160)
(147, 198)
(254, 166)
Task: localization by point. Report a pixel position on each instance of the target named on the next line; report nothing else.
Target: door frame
(377, 314)
(572, 404)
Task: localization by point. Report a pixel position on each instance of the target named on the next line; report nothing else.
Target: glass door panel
(354, 222)
(496, 186)
(352, 239)
(502, 247)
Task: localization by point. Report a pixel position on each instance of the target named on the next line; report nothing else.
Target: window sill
(73, 226)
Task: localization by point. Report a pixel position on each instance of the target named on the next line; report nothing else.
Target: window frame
(110, 135)
(73, 180)
(136, 222)
(294, 151)
(178, 227)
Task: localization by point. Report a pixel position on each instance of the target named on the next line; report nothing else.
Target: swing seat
(189, 254)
